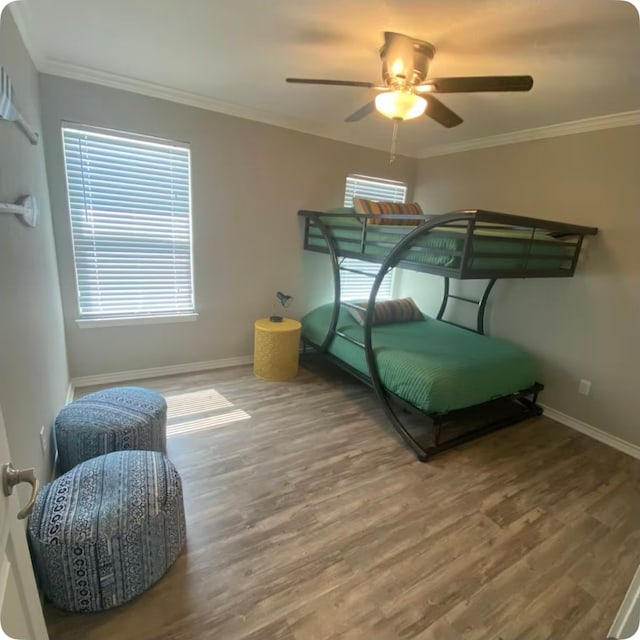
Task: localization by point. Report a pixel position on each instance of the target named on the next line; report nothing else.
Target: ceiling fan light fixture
(400, 105)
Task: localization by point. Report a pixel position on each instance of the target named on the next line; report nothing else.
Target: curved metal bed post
(445, 298)
(483, 305)
(390, 262)
(335, 267)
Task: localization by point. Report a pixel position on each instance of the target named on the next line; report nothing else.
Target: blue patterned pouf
(110, 420)
(104, 532)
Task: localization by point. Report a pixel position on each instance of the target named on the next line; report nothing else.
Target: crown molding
(153, 90)
(50, 66)
(43, 64)
(162, 92)
(597, 123)
(125, 83)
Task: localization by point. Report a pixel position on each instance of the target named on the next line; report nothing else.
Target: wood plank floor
(308, 520)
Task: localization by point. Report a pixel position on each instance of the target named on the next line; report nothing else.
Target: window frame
(360, 263)
(89, 321)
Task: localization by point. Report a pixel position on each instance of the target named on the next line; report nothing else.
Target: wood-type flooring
(307, 519)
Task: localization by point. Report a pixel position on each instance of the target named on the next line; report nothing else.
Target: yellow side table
(276, 348)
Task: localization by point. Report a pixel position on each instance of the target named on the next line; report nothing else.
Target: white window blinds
(373, 189)
(355, 286)
(130, 208)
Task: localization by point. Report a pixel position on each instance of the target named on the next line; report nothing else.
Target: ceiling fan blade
(480, 83)
(362, 112)
(441, 114)
(335, 83)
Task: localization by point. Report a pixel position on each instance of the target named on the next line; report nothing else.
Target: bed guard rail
(479, 244)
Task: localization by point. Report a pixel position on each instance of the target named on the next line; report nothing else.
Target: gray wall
(250, 178)
(33, 364)
(581, 327)
(248, 181)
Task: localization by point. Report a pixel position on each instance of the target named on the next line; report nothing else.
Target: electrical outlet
(44, 443)
(584, 387)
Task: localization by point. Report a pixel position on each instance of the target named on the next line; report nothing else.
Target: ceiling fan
(406, 92)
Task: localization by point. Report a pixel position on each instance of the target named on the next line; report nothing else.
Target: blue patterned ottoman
(104, 532)
(110, 420)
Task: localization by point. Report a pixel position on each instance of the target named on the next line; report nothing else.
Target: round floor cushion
(114, 419)
(105, 531)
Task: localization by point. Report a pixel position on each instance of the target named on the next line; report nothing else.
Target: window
(355, 286)
(130, 208)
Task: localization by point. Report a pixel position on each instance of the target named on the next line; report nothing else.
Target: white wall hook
(25, 207)
(8, 110)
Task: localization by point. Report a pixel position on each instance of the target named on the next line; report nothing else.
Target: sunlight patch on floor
(210, 422)
(187, 404)
(200, 410)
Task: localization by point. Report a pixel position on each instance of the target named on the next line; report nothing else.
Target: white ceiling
(233, 56)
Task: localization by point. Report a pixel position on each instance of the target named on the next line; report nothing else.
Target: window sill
(133, 320)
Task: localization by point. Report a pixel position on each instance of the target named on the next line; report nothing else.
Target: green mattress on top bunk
(435, 366)
(512, 244)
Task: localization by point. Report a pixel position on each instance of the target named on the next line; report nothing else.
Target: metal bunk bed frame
(523, 403)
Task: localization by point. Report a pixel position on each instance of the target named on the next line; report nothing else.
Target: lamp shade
(400, 105)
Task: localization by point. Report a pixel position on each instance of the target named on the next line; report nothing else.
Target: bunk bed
(447, 374)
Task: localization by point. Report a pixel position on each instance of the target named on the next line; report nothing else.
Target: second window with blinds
(355, 286)
(130, 211)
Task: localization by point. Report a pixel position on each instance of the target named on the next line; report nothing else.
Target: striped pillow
(362, 205)
(388, 311)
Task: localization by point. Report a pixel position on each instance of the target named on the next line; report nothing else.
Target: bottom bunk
(464, 383)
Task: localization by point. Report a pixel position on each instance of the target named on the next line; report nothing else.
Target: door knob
(11, 477)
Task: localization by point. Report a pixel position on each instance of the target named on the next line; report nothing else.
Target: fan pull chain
(394, 140)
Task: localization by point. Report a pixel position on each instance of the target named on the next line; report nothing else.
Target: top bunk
(467, 244)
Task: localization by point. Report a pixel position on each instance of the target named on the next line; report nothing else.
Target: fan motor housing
(405, 60)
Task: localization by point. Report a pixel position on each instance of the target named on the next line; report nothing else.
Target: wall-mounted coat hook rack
(8, 110)
(26, 208)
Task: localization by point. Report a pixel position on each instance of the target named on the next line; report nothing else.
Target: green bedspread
(435, 366)
(443, 241)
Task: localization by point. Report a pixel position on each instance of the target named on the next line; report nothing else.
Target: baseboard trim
(593, 432)
(623, 625)
(207, 365)
(71, 388)
(159, 372)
